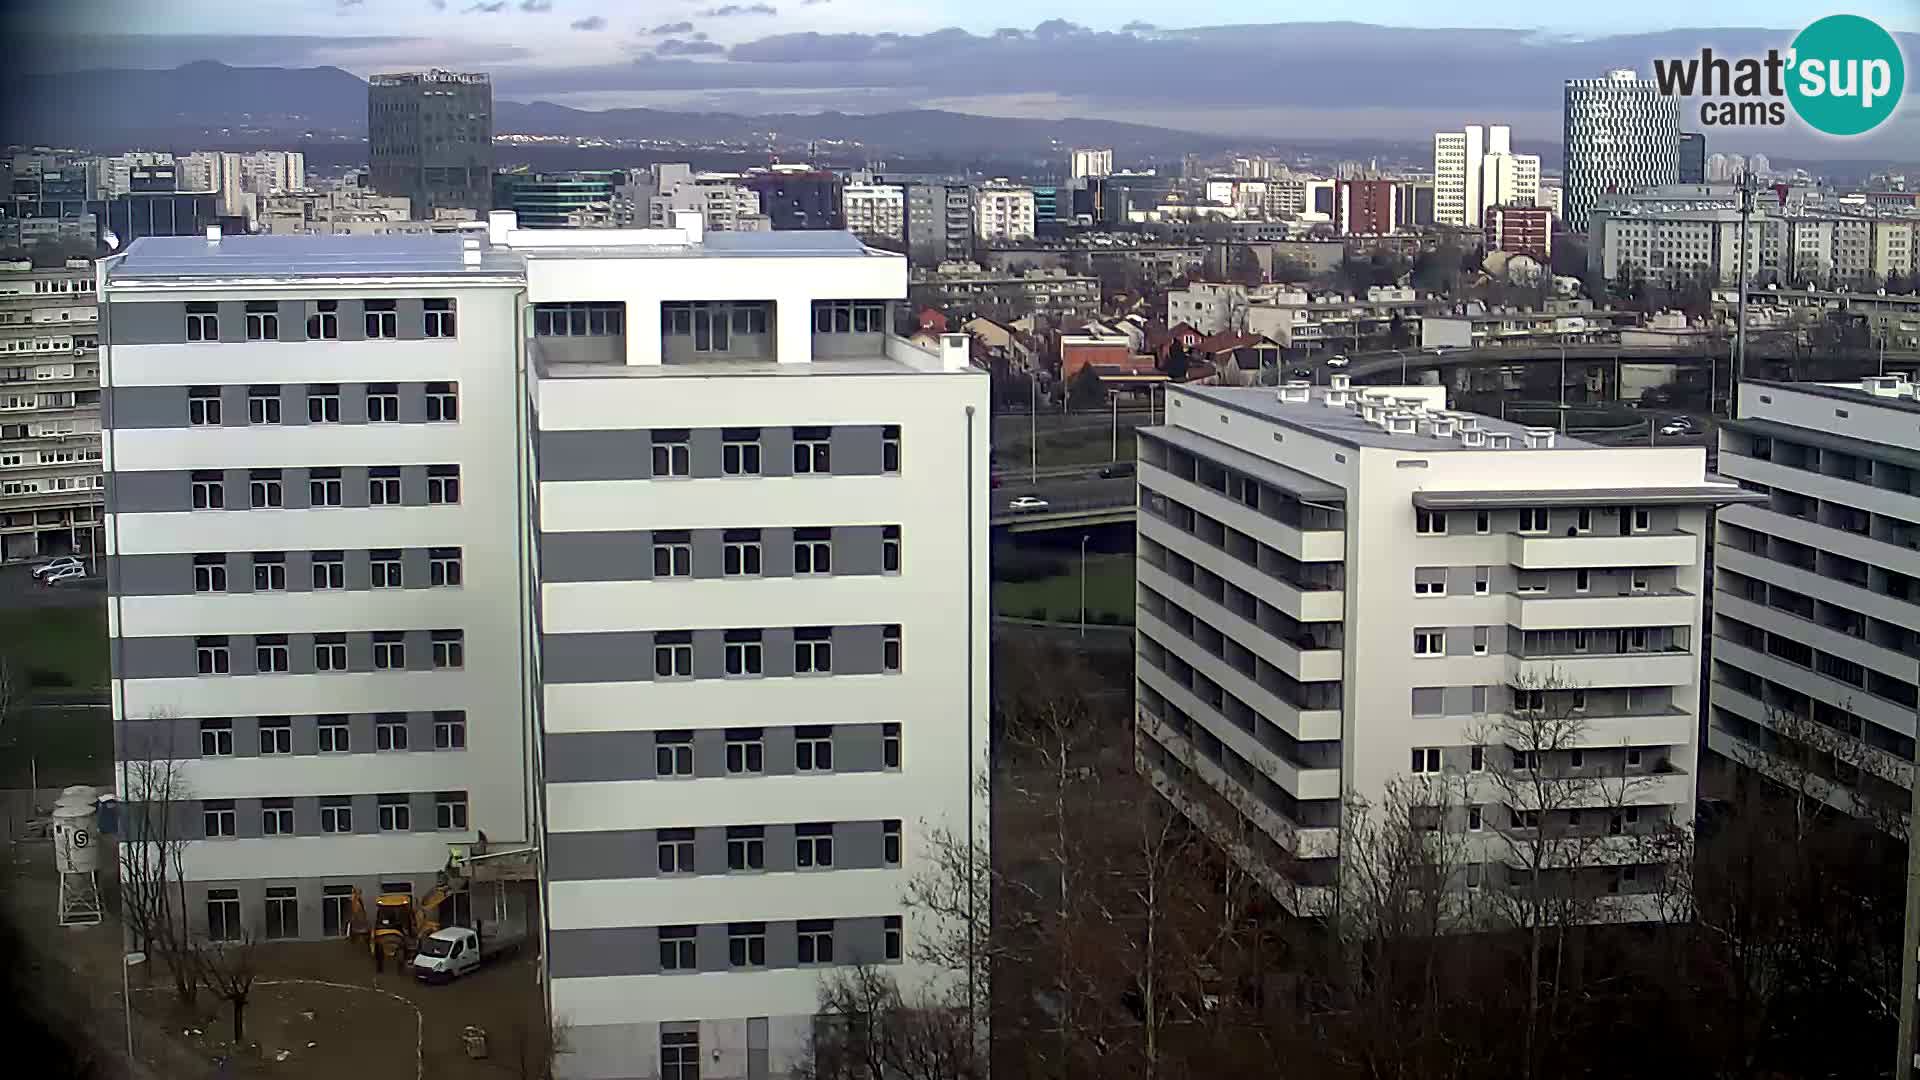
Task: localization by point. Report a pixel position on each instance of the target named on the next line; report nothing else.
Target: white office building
(876, 211)
(50, 479)
(1003, 212)
(1816, 600)
(1475, 168)
(1341, 587)
(1092, 162)
(1622, 136)
(666, 557)
(724, 202)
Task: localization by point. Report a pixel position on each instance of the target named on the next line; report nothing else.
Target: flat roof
(1840, 393)
(1827, 440)
(792, 244)
(1710, 492)
(1296, 483)
(194, 258)
(814, 369)
(1348, 428)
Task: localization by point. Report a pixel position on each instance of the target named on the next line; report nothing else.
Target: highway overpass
(1072, 502)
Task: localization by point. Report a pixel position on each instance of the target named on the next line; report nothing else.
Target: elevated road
(1071, 502)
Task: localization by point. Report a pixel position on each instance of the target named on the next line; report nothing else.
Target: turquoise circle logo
(1847, 75)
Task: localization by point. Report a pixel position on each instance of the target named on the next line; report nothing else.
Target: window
(323, 403)
(1477, 759)
(1642, 519)
(1633, 757)
(890, 549)
(1426, 759)
(740, 554)
(383, 485)
(216, 738)
(1639, 582)
(1531, 581)
(1482, 522)
(383, 565)
(890, 842)
(270, 657)
(264, 491)
(816, 941)
(383, 319)
(1636, 640)
(1582, 581)
(329, 570)
(1583, 520)
(443, 567)
(223, 905)
(673, 654)
(740, 452)
(443, 485)
(812, 450)
(450, 810)
(335, 736)
(324, 487)
(1578, 699)
(443, 402)
(1526, 760)
(1473, 819)
(749, 318)
(269, 571)
(1577, 759)
(673, 851)
(263, 404)
(450, 730)
(1482, 580)
(203, 322)
(283, 912)
(743, 652)
(336, 814)
(203, 406)
(1480, 641)
(396, 814)
(813, 749)
(813, 846)
(209, 492)
(390, 731)
(439, 319)
(1430, 581)
(812, 650)
(579, 320)
(1429, 642)
(813, 551)
(672, 555)
(890, 746)
(1430, 522)
(209, 573)
(1582, 640)
(1530, 700)
(389, 650)
(890, 449)
(383, 403)
(890, 648)
(709, 325)
(892, 940)
(671, 453)
(746, 848)
(849, 317)
(1526, 819)
(276, 817)
(1533, 520)
(217, 816)
(276, 735)
(747, 945)
(679, 1055)
(324, 324)
(673, 753)
(210, 655)
(449, 649)
(746, 752)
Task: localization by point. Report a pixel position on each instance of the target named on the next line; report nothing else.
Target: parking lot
(18, 589)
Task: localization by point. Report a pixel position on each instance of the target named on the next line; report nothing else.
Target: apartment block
(1475, 168)
(1345, 588)
(723, 200)
(1816, 600)
(653, 550)
(876, 211)
(1621, 135)
(1003, 212)
(50, 478)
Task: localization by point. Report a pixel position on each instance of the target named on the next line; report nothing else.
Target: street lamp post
(1083, 583)
(1033, 429)
(1116, 426)
(126, 995)
(1563, 382)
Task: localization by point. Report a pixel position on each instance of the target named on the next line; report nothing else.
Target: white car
(65, 573)
(1337, 361)
(64, 562)
(1677, 429)
(1026, 504)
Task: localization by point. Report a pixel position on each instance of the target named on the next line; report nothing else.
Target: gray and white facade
(722, 596)
(1622, 135)
(1347, 588)
(1816, 599)
(50, 482)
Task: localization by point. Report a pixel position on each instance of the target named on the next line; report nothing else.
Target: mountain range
(208, 104)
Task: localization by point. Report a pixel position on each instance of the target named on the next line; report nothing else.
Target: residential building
(1553, 197)
(1003, 212)
(1724, 168)
(1520, 230)
(724, 200)
(1293, 317)
(1413, 203)
(430, 138)
(1092, 162)
(1816, 602)
(1348, 588)
(966, 289)
(798, 196)
(1693, 157)
(241, 179)
(1622, 135)
(50, 479)
(939, 224)
(1367, 208)
(876, 211)
(707, 703)
(1476, 168)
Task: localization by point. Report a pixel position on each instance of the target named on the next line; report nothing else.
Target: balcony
(1673, 667)
(1304, 605)
(1598, 551)
(1303, 664)
(1602, 612)
(1307, 843)
(1305, 545)
(1598, 731)
(1298, 781)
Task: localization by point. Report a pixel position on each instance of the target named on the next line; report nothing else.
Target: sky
(1227, 66)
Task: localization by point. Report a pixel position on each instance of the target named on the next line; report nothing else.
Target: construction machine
(398, 922)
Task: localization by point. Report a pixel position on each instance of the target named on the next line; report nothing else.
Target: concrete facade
(50, 473)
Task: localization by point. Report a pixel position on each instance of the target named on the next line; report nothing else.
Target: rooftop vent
(1539, 438)
(1340, 382)
(1415, 405)
(1877, 385)
(1469, 422)
(1442, 427)
(1473, 437)
(1401, 423)
(213, 234)
(1296, 391)
(1499, 440)
(1336, 399)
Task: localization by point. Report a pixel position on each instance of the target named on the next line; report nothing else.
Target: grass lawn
(56, 747)
(1109, 592)
(55, 648)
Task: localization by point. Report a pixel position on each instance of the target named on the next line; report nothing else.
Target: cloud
(591, 22)
(729, 10)
(810, 3)
(1137, 24)
(669, 28)
(536, 5)
(342, 5)
(677, 47)
(494, 8)
(438, 5)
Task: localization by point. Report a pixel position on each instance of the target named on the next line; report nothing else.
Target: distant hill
(208, 103)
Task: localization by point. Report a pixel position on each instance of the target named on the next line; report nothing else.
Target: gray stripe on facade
(165, 322)
(628, 555)
(628, 656)
(620, 854)
(595, 455)
(635, 950)
(628, 454)
(135, 407)
(175, 657)
(600, 756)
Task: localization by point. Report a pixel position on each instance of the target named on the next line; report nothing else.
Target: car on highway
(1302, 373)
(1677, 428)
(65, 573)
(1118, 468)
(64, 562)
(1026, 504)
(1337, 361)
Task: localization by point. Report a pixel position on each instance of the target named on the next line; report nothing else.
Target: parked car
(1337, 361)
(447, 954)
(1026, 504)
(65, 573)
(1118, 468)
(64, 562)
(1677, 429)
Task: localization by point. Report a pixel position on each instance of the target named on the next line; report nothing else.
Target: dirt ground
(318, 1010)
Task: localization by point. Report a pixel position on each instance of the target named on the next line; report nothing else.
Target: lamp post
(126, 996)
(1083, 583)
(1116, 426)
(1910, 952)
(1033, 428)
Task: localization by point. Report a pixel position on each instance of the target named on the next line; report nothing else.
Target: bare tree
(866, 1029)
(230, 968)
(155, 796)
(1830, 770)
